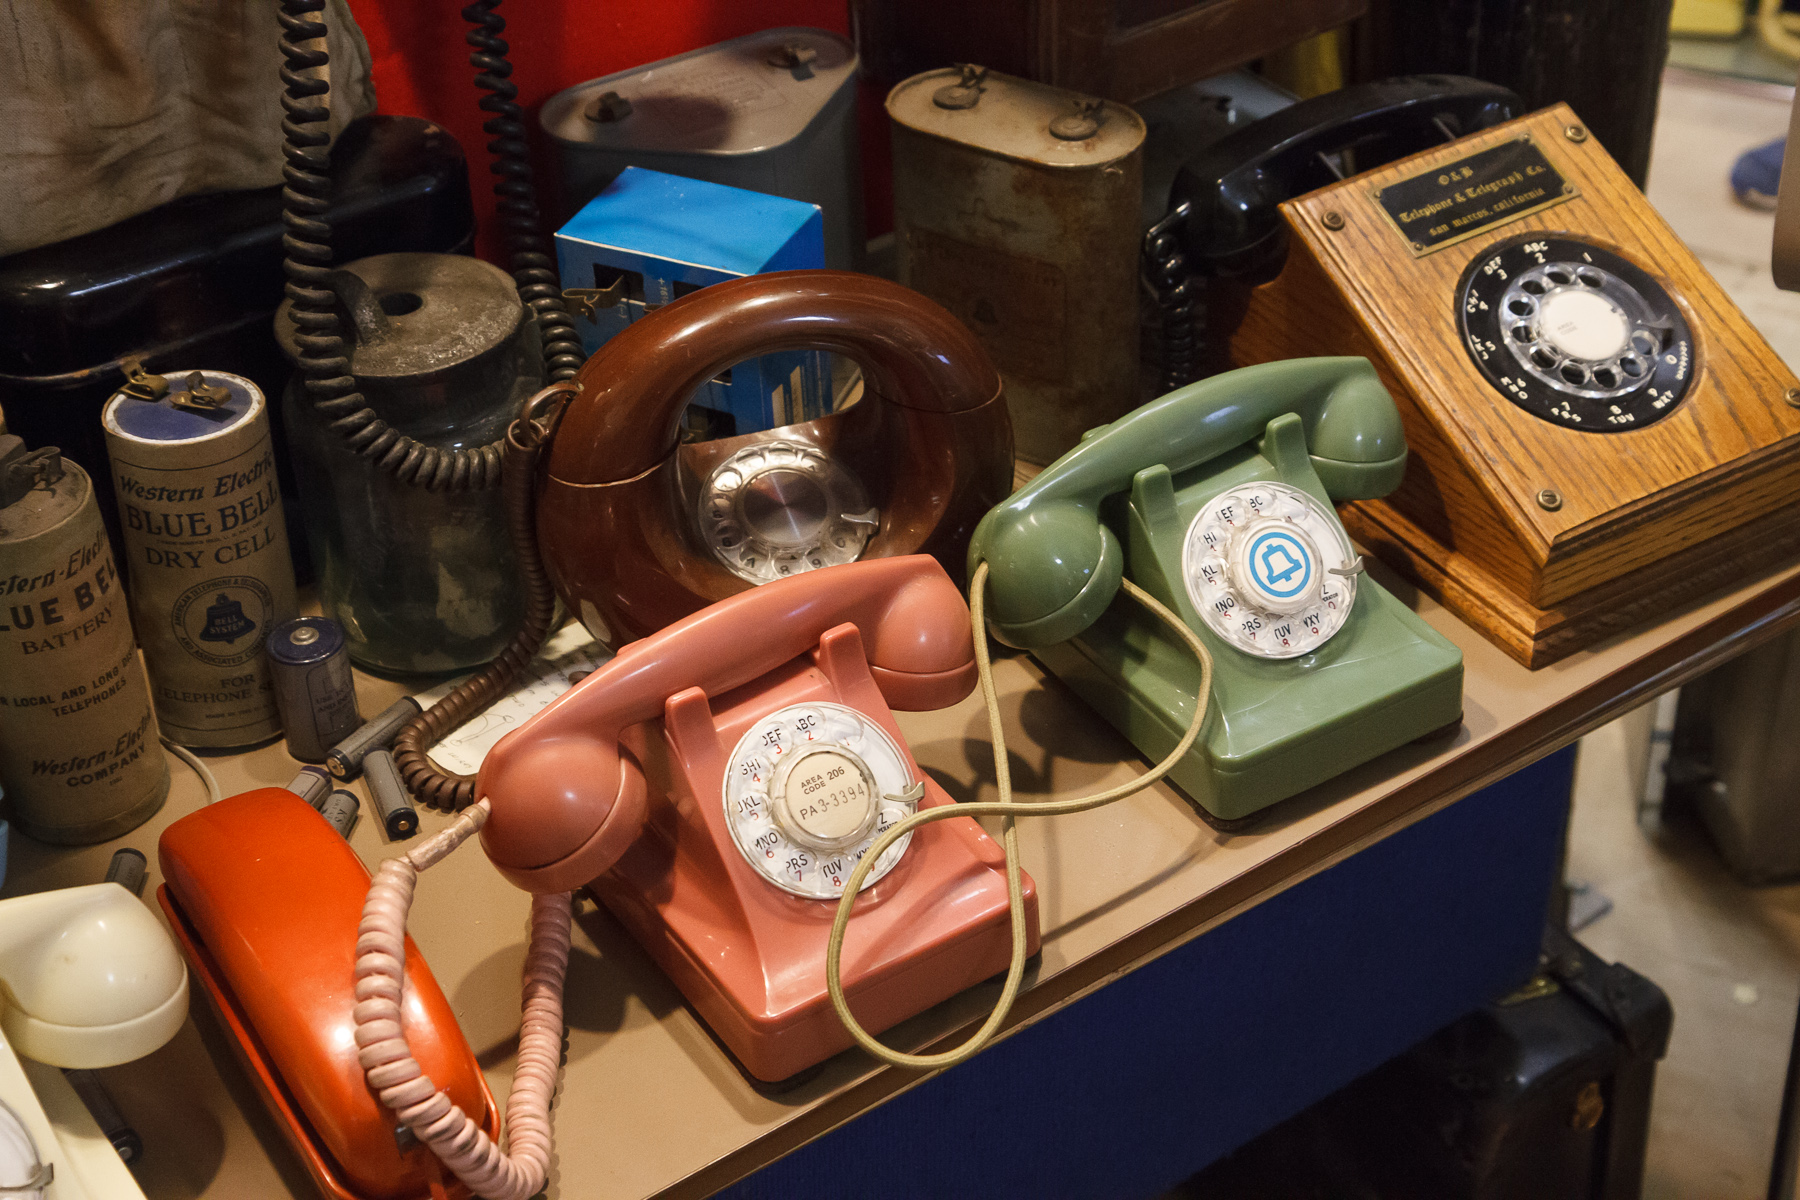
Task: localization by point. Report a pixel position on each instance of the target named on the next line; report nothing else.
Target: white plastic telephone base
(87, 1166)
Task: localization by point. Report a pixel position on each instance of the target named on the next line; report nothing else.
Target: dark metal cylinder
(127, 869)
(311, 785)
(309, 667)
(392, 802)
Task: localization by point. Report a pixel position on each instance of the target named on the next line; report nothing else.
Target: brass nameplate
(1460, 199)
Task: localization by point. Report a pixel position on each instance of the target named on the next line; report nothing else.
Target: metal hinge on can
(200, 396)
(141, 384)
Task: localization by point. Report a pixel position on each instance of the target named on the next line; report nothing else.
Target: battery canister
(309, 665)
(206, 550)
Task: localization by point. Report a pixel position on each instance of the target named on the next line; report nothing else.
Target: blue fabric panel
(1141, 1084)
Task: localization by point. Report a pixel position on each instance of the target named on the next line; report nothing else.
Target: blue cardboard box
(650, 238)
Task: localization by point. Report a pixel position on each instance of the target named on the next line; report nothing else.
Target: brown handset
(638, 530)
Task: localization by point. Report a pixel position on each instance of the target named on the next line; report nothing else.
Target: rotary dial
(808, 790)
(780, 508)
(1270, 570)
(1575, 334)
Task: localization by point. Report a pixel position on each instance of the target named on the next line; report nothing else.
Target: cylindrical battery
(206, 552)
(1016, 208)
(127, 869)
(345, 760)
(309, 665)
(311, 785)
(393, 804)
(79, 757)
(339, 810)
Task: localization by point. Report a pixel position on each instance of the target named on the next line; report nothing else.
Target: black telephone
(1224, 220)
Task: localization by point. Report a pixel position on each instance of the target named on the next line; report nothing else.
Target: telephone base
(750, 957)
(294, 917)
(1404, 683)
(326, 1174)
(1537, 637)
(765, 999)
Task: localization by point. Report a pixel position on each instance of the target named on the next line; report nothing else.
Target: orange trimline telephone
(779, 780)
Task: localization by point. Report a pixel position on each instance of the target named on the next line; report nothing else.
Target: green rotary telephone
(1217, 500)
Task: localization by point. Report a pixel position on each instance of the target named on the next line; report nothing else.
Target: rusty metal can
(79, 758)
(206, 551)
(1016, 207)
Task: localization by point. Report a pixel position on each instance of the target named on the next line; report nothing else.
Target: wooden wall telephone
(1217, 500)
(1598, 434)
(714, 784)
(637, 531)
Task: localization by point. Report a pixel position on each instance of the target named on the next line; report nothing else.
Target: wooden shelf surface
(651, 1105)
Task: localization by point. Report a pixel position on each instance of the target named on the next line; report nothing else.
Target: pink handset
(715, 783)
(566, 802)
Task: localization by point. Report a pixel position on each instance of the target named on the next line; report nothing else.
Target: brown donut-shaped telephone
(638, 531)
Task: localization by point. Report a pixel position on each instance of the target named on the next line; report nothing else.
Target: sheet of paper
(564, 659)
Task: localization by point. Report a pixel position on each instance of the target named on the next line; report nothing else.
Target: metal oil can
(1016, 207)
(771, 112)
(79, 758)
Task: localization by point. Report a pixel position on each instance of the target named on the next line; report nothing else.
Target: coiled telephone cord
(520, 1169)
(1009, 811)
(509, 160)
(1180, 304)
(324, 359)
(524, 442)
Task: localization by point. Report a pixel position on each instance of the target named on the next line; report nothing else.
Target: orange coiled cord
(521, 1169)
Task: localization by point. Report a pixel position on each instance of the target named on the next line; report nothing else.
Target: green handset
(1217, 500)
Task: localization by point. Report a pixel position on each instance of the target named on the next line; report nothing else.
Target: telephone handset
(1217, 500)
(715, 784)
(263, 897)
(1224, 217)
(638, 530)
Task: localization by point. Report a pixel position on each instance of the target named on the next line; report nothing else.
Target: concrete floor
(1728, 955)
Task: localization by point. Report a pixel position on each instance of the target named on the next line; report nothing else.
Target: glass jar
(444, 352)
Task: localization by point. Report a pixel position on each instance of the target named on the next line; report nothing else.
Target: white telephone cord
(521, 1169)
(1005, 808)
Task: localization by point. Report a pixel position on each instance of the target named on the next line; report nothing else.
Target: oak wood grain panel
(1627, 496)
(1537, 637)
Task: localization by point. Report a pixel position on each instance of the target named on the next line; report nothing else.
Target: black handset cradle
(1224, 219)
(1234, 187)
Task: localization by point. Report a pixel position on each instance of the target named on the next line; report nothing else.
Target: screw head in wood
(1332, 220)
(1792, 396)
(1549, 499)
(1575, 133)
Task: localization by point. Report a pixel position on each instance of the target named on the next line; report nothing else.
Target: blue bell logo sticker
(1280, 565)
(221, 622)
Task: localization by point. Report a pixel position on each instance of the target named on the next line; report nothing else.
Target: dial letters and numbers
(1256, 560)
(808, 790)
(1575, 334)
